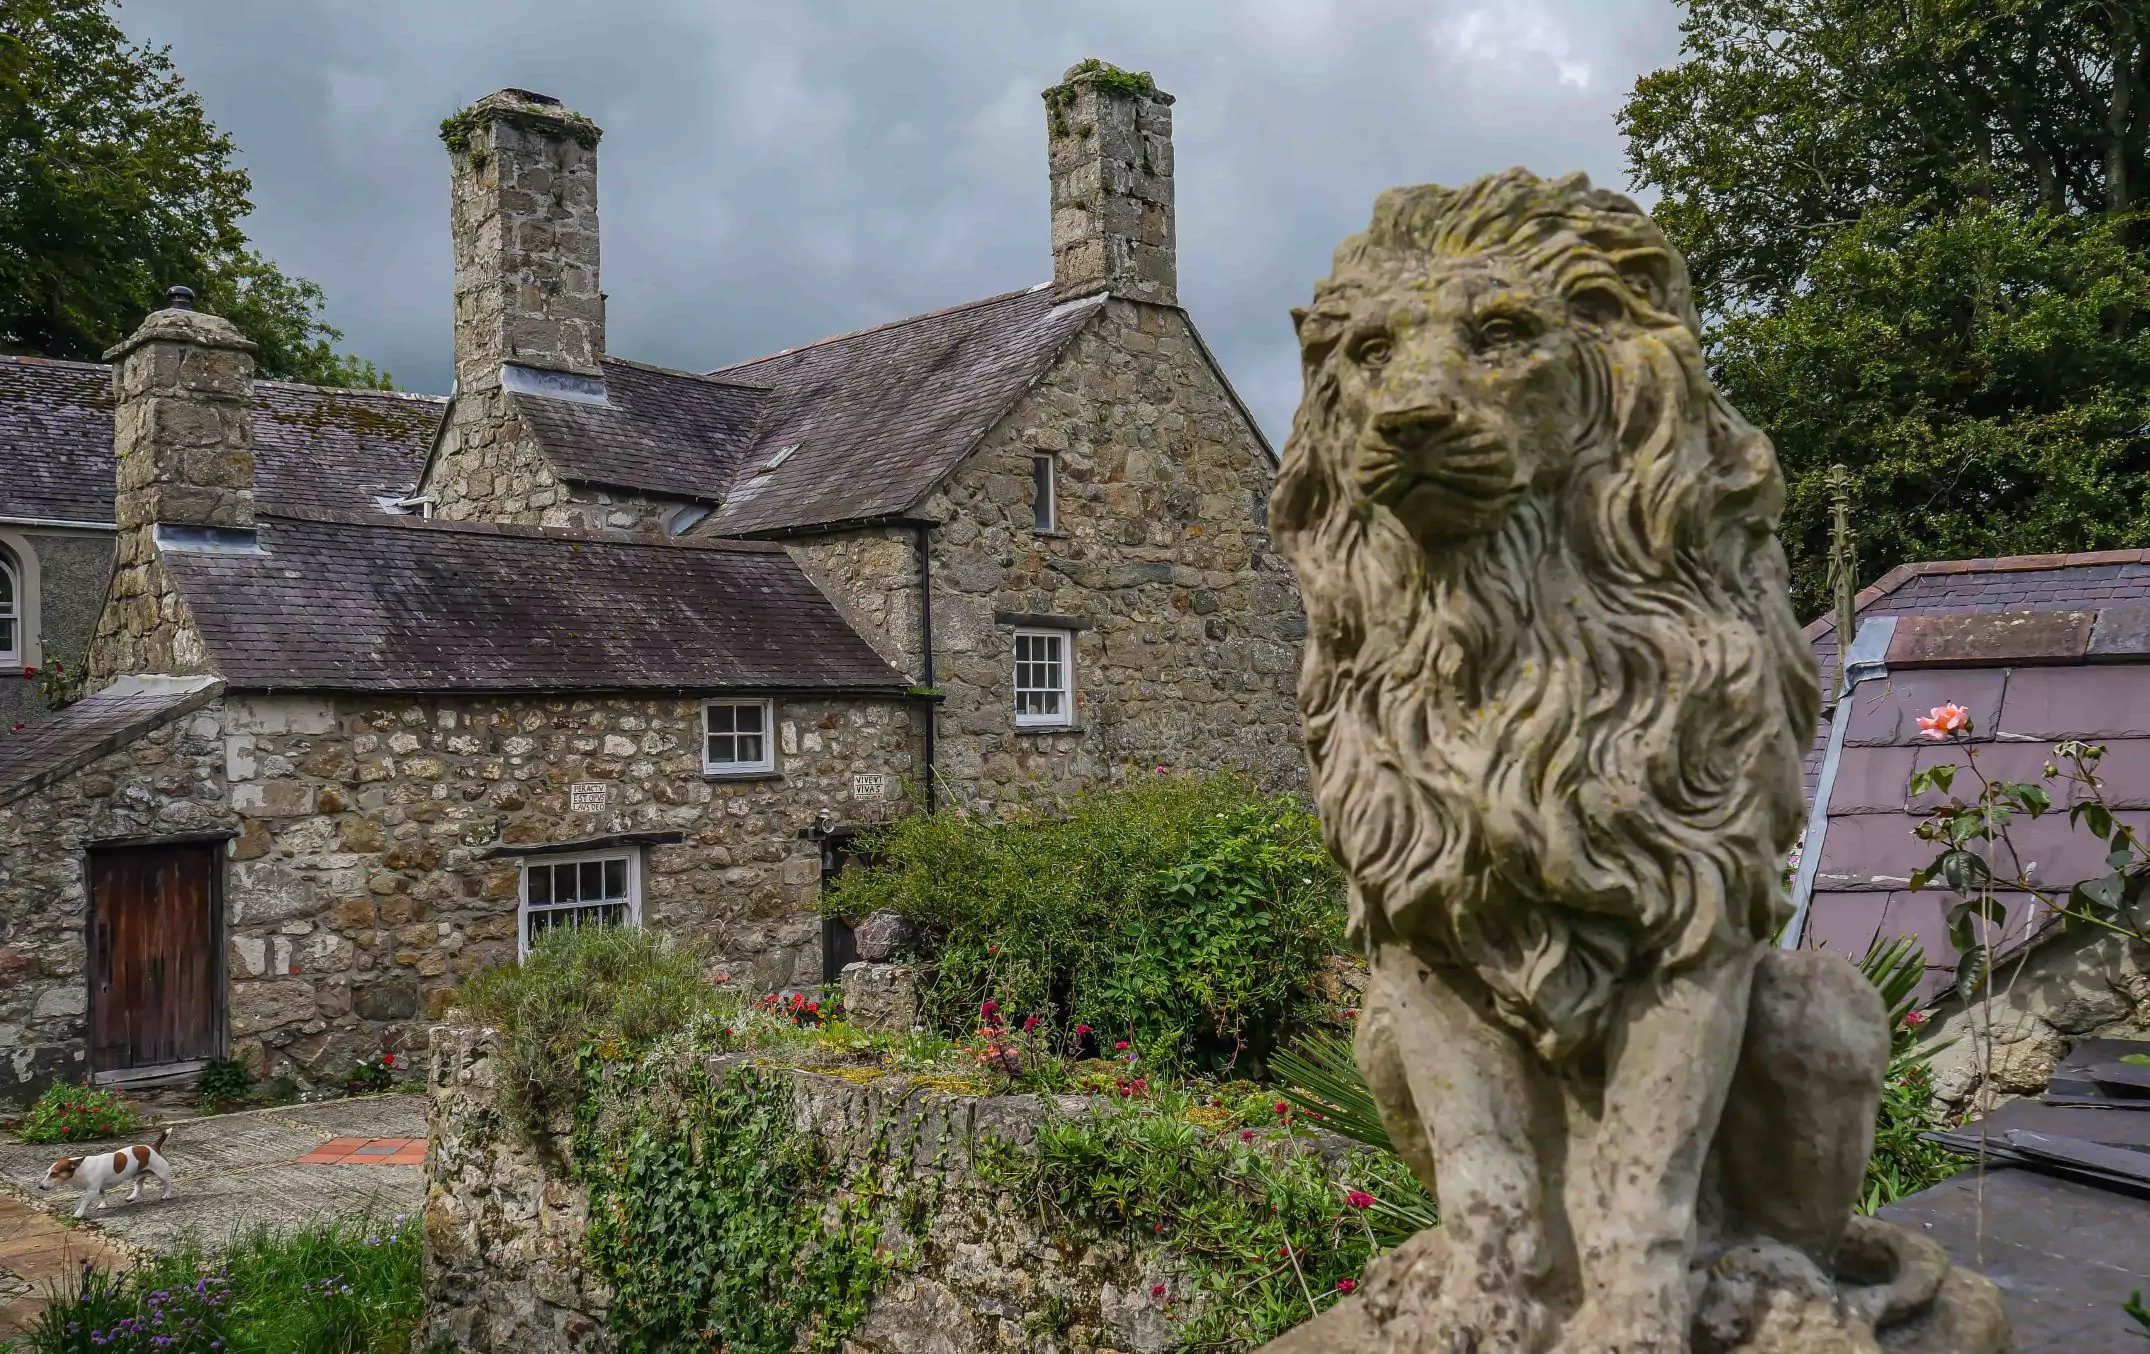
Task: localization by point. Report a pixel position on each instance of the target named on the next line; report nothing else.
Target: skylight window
(783, 454)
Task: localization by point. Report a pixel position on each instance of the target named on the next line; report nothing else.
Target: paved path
(276, 1166)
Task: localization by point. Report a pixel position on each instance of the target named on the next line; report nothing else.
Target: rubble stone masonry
(1193, 624)
(362, 883)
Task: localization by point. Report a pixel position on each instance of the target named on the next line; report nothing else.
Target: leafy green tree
(1915, 231)
(114, 186)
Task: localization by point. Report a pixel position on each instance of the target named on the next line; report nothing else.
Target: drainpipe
(1866, 659)
(923, 539)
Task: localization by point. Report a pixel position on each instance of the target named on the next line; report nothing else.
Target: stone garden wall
(364, 882)
(504, 1229)
(2070, 989)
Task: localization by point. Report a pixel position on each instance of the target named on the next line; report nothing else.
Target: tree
(114, 186)
(1916, 234)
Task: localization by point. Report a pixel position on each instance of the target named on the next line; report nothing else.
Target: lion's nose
(1417, 429)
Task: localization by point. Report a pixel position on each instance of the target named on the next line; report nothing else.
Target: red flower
(388, 1060)
(1359, 1199)
(1082, 1029)
(1346, 1285)
(1120, 1047)
(988, 1007)
(992, 949)
(29, 674)
(1914, 1019)
(1283, 1109)
(813, 1007)
(1157, 1290)
(1351, 1013)
(1246, 1135)
(1029, 1023)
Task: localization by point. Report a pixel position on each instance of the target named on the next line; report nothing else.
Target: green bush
(344, 1287)
(1269, 1236)
(1187, 915)
(70, 1113)
(605, 987)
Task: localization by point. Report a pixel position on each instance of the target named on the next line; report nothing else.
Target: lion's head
(1555, 696)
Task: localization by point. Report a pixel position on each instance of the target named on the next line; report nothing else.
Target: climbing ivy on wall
(707, 1218)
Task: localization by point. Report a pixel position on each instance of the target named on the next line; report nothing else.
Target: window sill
(1056, 535)
(1027, 730)
(742, 775)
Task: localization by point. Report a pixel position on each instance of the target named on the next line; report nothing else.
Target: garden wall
(970, 1270)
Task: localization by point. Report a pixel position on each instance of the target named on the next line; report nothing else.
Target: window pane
(7, 635)
(721, 717)
(1041, 497)
(750, 753)
(615, 878)
(7, 590)
(747, 720)
(540, 884)
(593, 880)
(721, 747)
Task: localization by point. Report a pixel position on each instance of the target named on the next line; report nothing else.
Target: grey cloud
(778, 170)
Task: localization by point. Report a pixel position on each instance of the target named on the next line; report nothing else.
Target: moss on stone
(457, 128)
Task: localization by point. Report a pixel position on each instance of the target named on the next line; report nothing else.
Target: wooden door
(156, 980)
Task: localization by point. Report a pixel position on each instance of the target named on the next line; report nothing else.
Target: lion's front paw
(1641, 1324)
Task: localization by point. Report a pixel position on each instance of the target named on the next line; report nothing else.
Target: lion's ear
(1319, 328)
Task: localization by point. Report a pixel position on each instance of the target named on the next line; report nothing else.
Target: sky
(775, 171)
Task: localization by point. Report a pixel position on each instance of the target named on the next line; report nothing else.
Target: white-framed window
(1044, 677)
(11, 608)
(1044, 495)
(736, 737)
(587, 888)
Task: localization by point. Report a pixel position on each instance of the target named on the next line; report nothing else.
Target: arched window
(11, 608)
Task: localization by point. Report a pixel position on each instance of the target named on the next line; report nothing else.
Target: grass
(344, 1287)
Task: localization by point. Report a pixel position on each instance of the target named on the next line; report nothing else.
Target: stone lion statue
(1556, 702)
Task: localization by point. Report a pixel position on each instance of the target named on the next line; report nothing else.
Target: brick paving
(274, 1166)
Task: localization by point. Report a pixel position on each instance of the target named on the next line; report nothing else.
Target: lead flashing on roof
(1867, 660)
(185, 540)
(553, 385)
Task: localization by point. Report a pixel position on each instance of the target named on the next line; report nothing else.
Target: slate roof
(315, 448)
(664, 432)
(399, 604)
(878, 417)
(2039, 648)
(35, 757)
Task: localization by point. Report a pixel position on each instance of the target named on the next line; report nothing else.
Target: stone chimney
(1109, 144)
(183, 432)
(182, 386)
(523, 213)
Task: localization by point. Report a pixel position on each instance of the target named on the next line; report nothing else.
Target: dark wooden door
(155, 973)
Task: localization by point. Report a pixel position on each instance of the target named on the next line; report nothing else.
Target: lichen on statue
(1556, 702)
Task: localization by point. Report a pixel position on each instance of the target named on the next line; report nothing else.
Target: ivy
(457, 129)
(1270, 1237)
(705, 1218)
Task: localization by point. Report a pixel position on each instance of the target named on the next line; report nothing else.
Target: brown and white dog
(101, 1172)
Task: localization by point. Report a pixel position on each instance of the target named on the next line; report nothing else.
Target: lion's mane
(1564, 751)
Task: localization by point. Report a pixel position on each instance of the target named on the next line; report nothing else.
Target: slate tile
(1886, 710)
(2105, 701)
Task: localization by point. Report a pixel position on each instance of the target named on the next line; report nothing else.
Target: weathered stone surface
(365, 891)
(884, 936)
(2068, 989)
(1622, 1083)
(880, 997)
(503, 1232)
(1114, 223)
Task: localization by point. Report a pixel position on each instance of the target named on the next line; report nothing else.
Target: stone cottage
(626, 643)
(2039, 649)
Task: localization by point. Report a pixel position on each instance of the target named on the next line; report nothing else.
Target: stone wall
(364, 882)
(2070, 989)
(72, 568)
(504, 1229)
(168, 782)
(1190, 658)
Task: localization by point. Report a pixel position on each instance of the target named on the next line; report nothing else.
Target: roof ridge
(708, 377)
(886, 324)
(399, 522)
(33, 360)
(1995, 564)
(370, 391)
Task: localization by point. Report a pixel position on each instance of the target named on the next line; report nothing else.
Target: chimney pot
(181, 298)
